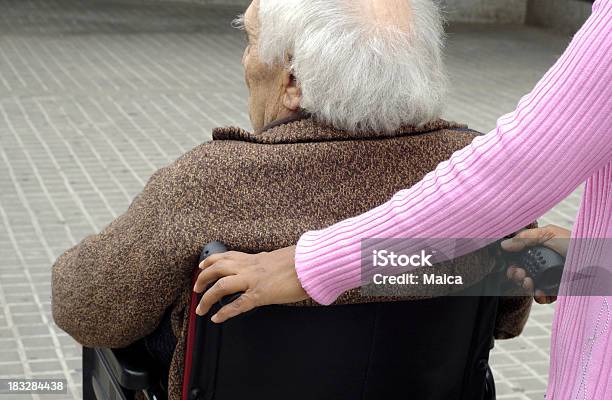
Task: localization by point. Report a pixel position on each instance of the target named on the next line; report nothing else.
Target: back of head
(362, 65)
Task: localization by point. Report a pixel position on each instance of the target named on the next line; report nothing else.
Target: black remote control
(543, 265)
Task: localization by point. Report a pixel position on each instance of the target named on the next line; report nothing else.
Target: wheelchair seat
(428, 349)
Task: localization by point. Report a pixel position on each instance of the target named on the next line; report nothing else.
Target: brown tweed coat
(254, 192)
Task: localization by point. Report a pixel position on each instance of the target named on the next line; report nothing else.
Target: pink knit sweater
(558, 137)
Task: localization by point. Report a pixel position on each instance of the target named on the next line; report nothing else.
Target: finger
(213, 259)
(220, 269)
(543, 298)
(223, 287)
(516, 244)
(540, 298)
(520, 275)
(528, 284)
(516, 275)
(526, 238)
(239, 306)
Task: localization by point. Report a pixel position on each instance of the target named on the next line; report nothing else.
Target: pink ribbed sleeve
(558, 136)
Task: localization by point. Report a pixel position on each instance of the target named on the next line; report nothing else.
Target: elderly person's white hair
(359, 71)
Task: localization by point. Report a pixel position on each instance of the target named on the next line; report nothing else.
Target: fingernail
(198, 309)
(215, 319)
(506, 243)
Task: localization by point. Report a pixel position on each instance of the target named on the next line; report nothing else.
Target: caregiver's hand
(264, 278)
(551, 236)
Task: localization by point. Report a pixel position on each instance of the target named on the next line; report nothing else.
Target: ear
(292, 92)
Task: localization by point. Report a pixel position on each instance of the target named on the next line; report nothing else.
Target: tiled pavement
(95, 96)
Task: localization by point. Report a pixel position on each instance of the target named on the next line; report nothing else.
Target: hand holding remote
(538, 263)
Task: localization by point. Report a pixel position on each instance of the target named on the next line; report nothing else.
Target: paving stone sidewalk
(97, 95)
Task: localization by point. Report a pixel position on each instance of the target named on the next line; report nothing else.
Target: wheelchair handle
(216, 248)
(210, 249)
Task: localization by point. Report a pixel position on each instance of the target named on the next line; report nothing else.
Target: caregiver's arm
(557, 137)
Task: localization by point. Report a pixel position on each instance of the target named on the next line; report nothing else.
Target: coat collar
(304, 128)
